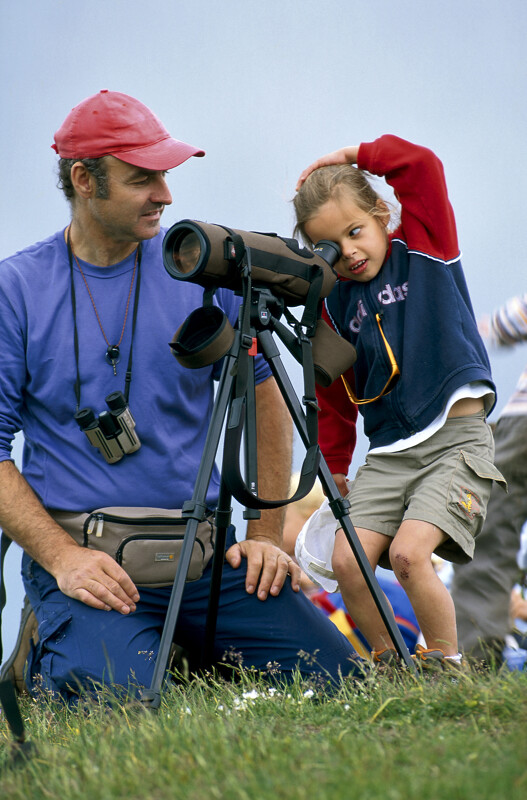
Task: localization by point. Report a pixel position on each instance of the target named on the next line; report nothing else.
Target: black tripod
(259, 319)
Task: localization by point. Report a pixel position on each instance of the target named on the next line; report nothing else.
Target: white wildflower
(252, 695)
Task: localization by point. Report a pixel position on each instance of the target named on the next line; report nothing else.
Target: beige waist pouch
(145, 542)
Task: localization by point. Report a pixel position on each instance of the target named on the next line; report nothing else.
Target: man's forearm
(26, 521)
(275, 446)
(87, 575)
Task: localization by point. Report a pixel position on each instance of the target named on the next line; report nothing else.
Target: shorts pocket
(484, 468)
(469, 490)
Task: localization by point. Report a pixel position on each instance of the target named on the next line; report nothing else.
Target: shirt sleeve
(12, 368)
(417, 177)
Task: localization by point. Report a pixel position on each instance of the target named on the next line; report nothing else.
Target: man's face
(136, 200)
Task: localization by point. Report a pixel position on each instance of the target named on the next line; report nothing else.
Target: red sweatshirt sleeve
(417, 177)
(337, 433)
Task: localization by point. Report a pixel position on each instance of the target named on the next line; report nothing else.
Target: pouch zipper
(150, 536)
(97, 521)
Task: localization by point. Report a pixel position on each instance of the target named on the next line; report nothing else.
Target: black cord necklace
(113, 353)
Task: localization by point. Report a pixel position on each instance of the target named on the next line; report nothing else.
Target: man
(74, 309)
(482, 589)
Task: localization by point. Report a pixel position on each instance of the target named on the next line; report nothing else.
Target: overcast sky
(265, 88)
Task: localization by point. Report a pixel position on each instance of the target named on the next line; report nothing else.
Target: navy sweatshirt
(426, 313)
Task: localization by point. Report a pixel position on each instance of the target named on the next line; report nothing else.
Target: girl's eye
(354, 232)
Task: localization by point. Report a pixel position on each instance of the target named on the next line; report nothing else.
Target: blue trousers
(80, 646)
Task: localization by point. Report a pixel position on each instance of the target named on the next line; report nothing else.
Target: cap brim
(163, 155)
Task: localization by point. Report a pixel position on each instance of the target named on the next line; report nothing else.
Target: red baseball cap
(115, 124)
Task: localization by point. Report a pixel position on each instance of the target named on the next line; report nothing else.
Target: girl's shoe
(387, 656)
(386, 662)
(436, 661)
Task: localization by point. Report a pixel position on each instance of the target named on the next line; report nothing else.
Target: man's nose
(160, 192)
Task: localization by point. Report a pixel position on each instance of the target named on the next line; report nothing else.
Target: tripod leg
(223, 519)
(337, 504)
(196, 511)
(251, 443)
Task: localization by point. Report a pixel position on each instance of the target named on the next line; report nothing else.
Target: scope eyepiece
(329, 251)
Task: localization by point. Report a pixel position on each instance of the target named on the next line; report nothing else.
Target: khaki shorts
(445, 480)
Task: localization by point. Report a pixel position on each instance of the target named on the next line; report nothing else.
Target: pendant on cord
(113, 356)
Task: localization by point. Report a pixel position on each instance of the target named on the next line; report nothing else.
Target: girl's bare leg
(411, 560)
(355, 592)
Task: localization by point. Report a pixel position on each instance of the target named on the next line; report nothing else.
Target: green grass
(246, 741)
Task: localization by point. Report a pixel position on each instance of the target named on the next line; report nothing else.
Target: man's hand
(89, 576)
(96, 579)
(267, 566)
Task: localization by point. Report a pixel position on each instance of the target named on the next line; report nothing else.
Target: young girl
(422, 381)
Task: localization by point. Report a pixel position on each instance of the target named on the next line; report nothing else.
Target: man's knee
(86, 649)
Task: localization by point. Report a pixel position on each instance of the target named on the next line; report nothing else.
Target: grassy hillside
(247, 741)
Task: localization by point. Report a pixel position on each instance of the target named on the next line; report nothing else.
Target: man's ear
(384, 215)
(83, 181)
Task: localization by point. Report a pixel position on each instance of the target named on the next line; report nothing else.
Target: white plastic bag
(314, 547)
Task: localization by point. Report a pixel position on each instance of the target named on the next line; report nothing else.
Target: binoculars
(113, 431)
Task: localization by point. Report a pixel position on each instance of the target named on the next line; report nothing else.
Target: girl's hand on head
(346, 155)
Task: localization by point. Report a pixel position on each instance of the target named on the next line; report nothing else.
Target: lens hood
(203, 338)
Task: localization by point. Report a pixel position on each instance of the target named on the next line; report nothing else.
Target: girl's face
(362, 237)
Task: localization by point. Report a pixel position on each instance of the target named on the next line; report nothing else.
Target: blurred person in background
(482, 589)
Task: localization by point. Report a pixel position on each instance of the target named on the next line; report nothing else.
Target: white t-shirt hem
(474, 389)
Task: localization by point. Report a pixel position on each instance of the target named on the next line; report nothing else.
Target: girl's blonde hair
(328, 183)
(312, 500)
